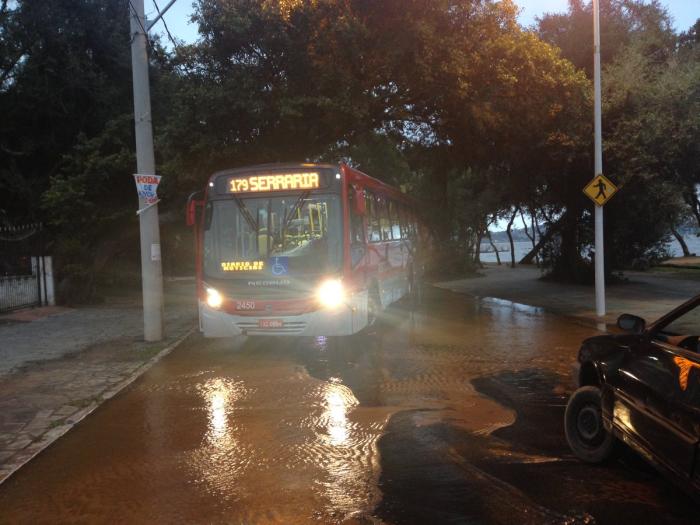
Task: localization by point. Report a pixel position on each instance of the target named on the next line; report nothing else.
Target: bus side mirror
(360, 207)
(192, 205)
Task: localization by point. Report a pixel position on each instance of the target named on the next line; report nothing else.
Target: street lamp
(598, 169)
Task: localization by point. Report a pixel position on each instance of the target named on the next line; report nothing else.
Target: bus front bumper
(345, 320)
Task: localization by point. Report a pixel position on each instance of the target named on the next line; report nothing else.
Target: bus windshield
(278, 236)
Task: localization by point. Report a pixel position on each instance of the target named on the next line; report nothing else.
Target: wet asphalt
(446, 412)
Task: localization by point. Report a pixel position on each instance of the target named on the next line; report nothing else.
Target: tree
(452, 87)
(65, 70)
(653, 141)
(649, 138)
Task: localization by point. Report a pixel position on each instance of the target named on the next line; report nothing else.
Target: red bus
(300, 249)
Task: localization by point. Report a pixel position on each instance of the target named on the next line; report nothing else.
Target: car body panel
(650, 391)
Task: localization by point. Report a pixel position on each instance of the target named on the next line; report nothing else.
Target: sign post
(151, 270)
(600, 190)
(599, 244)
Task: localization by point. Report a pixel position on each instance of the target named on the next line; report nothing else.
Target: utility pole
(599, 244)
(151, 270)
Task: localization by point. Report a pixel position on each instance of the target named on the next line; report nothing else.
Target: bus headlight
(331, 293)
(214, 298)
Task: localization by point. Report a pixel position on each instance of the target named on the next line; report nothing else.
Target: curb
(604, 325)
(51, 435)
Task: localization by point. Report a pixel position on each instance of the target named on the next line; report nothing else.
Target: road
(447, 413)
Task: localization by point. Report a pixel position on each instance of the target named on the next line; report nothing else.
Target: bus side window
(357, 233)
(384, 222)
(403, 221)
(373, 230)
(411, 226)
(395, 223)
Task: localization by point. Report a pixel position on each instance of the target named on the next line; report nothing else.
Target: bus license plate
(270, 323)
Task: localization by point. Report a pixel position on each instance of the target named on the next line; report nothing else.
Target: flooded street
(449, 413)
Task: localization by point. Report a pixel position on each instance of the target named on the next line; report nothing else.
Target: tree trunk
(569, 265)
(691, 199)
(681, 241)
(527, 231)
(510, 236)
(477, 250)
(553, 228)
(495, 248)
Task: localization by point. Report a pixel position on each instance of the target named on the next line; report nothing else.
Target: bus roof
(377, 185)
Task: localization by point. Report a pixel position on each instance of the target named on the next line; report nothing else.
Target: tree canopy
(452, 99)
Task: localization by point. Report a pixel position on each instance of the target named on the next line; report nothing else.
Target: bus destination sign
(309, 180)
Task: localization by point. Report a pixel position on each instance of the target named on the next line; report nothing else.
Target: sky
(683, 12)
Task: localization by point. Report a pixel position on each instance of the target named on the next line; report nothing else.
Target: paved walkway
(647, 294)
(58, 367)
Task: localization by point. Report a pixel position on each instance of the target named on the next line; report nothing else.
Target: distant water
(693, 243)
(523, 247)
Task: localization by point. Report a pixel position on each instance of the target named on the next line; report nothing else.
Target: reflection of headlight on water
(339, 402)
(214, 298)
(337, 418)
(331, 293)
(217, 413)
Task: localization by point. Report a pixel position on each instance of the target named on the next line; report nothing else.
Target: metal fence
(22, 267)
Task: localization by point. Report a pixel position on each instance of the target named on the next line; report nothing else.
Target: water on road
(450, 412)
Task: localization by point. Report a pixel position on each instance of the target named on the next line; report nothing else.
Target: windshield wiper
(246, 214)
(292, 211)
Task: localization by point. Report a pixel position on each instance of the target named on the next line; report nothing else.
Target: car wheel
(584, 427)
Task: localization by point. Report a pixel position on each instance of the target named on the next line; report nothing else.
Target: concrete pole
(599, 244)
(151, 271)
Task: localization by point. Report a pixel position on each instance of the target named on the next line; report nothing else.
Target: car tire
(585, 432)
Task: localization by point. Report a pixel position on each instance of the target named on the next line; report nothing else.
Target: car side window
(686, 324)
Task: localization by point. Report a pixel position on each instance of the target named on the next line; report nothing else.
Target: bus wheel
(374, 306)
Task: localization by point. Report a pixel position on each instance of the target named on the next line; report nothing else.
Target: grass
(692, 274)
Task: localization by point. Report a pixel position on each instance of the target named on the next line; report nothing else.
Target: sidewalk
(647, 294)
(57, 365)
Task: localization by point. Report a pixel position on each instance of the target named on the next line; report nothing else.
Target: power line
(150, 45)
(138, 19)
(170, 36)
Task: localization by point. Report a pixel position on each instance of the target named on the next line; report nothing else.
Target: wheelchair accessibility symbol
(279, 266)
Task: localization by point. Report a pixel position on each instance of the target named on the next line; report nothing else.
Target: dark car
(642, 388)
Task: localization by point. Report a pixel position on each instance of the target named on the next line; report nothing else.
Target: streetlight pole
(599, 244)
(151, 271)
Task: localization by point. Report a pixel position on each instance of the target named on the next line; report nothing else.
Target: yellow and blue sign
(279, 266)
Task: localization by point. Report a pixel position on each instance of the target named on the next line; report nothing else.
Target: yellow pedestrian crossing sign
(600, 189)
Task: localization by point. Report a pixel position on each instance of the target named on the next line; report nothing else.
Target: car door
(658, 388)
(691, 396)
